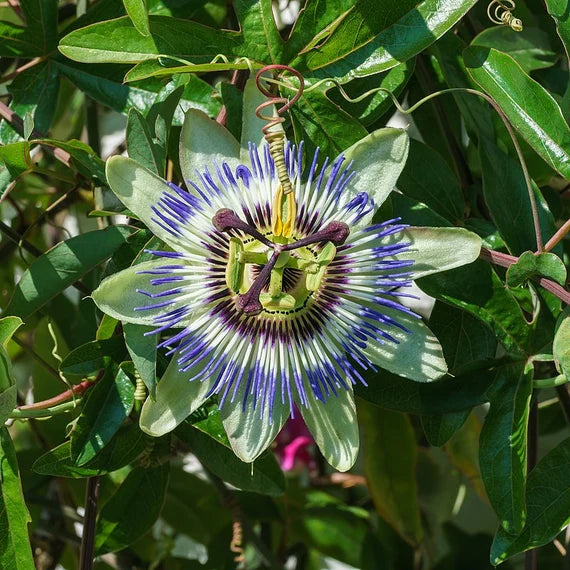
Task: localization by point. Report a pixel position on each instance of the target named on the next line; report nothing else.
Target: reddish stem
(77, 390)
(557, 237)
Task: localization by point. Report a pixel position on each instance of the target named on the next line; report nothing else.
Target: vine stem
(557, 237)
(88, 537)
(506, 260)
(77, 390)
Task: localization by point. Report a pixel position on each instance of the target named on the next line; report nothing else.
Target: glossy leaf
(548, 500)
(17, 42)
(108, 404)
(41, 21)
(466, 341)
(61, 266)
(447, 395)
(34, 91)
(108, 89)
(125, 446)
(117, 41)
(439, 428)
(320, 122)
(141, 145)
(91, 357)
(132, 510)
(138, 13)
(15, 550)
(427, 178)
(506, 196)
(531, 48)
(16, 158)
(372, 107)
(390, 454)
(478, 290)
(528, 106)
(530, 265)
(265, 477)
(502, 447)
(384, 42)
(8, 389)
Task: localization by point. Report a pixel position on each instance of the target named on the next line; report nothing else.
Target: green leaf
(439, 428)
(390, 455)
(259, 29)
(427, 178)
(502, 446)
(16, 158)
(91, 357)
(34, 91)
(61, 266)
(141, 145)
(558, 9)
(82, 156)
(15, 550)
(332, 530)
(109, 402)
(446, 395)
(138, 13)
(107, 88)
(320, 122)
(531, 265)
(506, 196)
(117, 41)
(478, 290)
(125, 446)
(466, 341)
(41, 20)
(527, 105)
(531, 48)
(561, 344)
(8, 389)
(315, 22)
(548, 500)
(371, 108)
(264, 476)
(132, 510)
(142, 349)
(17, 42)
(394, 34)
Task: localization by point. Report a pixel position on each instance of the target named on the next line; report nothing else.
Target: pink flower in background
(293, 445)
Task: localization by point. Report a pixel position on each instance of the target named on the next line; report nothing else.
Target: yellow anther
(284, 213)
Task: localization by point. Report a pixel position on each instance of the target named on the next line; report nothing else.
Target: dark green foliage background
(441, 482)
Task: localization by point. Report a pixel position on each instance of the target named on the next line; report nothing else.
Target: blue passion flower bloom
(277, 302)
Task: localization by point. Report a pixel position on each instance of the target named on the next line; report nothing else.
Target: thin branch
(77, 390)
(88, 538)
(557, 237)
(19, 70)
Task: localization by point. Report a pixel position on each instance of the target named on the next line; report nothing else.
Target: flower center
(276, 273)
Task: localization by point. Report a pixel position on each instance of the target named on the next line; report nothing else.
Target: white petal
(176, 398)
(249, 434)
(334, 426)
(418, 355)
(204, 142)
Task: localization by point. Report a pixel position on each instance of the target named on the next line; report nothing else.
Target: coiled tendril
(276, 137)
(502, 14)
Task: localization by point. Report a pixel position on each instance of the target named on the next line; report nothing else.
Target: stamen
(249, 302)
(225, 220)
(335, 232)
